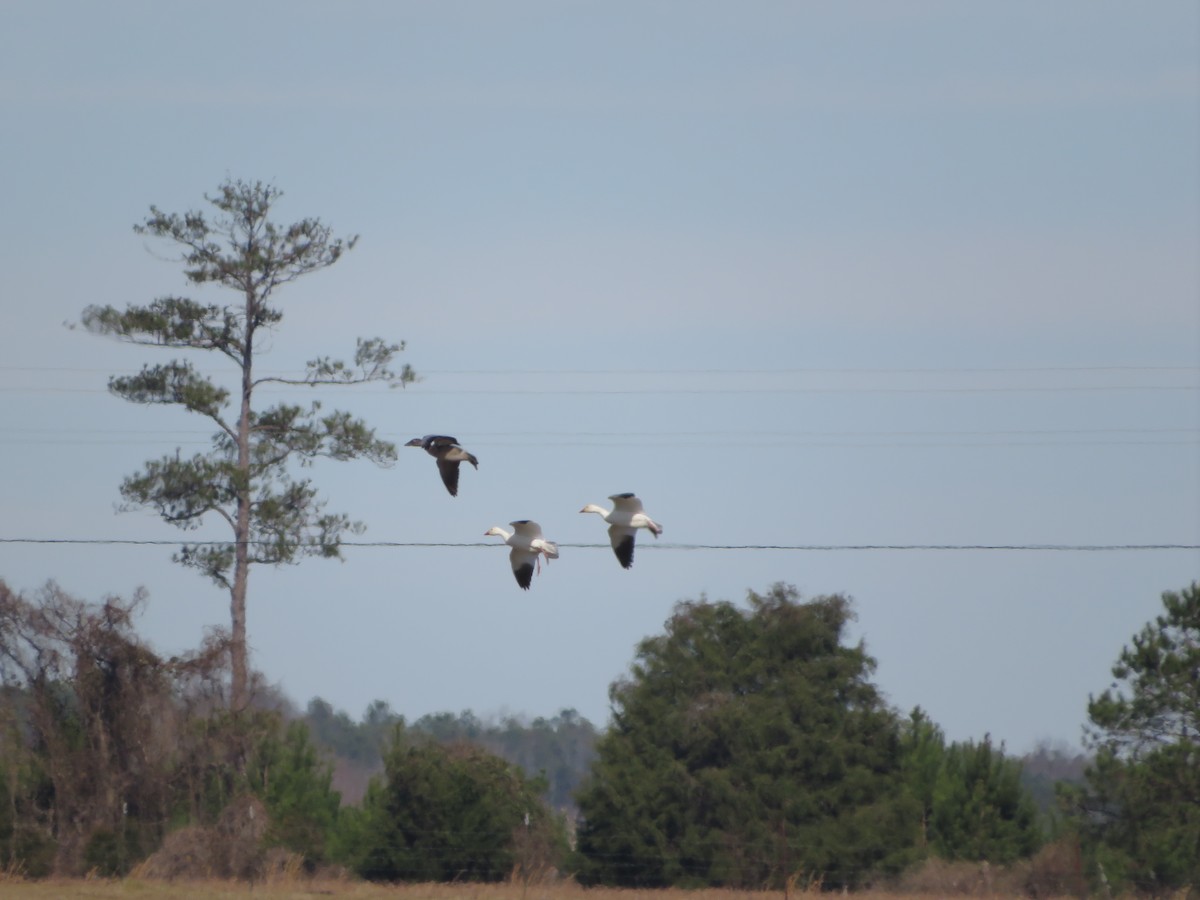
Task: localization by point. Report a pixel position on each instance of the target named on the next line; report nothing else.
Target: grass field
(297, 889)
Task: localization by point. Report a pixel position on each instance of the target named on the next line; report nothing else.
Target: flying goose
(448, 455)
(527, 546)
(624, 521)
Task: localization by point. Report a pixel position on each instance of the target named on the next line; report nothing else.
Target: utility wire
(814, 370)
(740, 434)
(731, 442)
(573, 392)
(981, 438)
(1056, 548)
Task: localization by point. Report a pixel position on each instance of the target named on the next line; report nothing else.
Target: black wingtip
(624, 552)
(524, 576)
(449, 473)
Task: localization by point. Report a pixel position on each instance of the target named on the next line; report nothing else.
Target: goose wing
(448, 468)
(527, 530)
(522, 565)
(448, 454)
(626, 503)
(622, 538)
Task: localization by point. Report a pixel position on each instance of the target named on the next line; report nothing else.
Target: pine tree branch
(371, 360)
(174, 322)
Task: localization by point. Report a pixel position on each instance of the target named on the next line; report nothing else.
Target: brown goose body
(449, 455)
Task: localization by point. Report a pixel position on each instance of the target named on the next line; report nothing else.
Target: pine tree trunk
(239, 666)
(239, 693)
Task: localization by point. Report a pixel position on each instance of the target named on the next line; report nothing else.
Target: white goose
(624, 520)
(528, 546)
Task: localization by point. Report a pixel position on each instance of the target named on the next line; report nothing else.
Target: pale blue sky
(796, 273)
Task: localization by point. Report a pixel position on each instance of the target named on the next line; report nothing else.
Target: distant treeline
(559, 749)
(562, 748)
(748, 747)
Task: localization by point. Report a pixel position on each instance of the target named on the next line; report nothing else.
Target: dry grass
(304, 889)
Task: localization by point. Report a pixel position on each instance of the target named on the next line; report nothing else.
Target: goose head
(593, 508)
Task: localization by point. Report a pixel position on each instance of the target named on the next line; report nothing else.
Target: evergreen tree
(558, 750)
(244, 479)
(980, 810)
(27, 843)
(972, 803)
(748, 746)
(295, 785)
(1139, 810)
(448, 813)
(924, 754)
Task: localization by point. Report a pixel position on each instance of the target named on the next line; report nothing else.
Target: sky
(813, 276)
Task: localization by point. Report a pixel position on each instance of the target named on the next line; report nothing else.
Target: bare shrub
(281, 866)
(104, 746)
(1057, 871)
(186, 853)
(238, 838)
(230, 849)
(100, 714)
(1054, 872)
(942, 878)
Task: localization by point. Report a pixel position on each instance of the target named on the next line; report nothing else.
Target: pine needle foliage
(748, 747)
(247, 478)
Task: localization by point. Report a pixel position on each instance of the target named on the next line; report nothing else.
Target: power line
(856, 438)
(741, 434)
(801, 370)
(574, 392)
(818, 370)
(731, 442)
(1055, 548)
(797, 445)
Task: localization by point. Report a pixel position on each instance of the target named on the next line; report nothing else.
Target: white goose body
(625, 518)
(528, 546)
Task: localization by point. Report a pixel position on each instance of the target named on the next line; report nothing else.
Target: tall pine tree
(244, 479)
